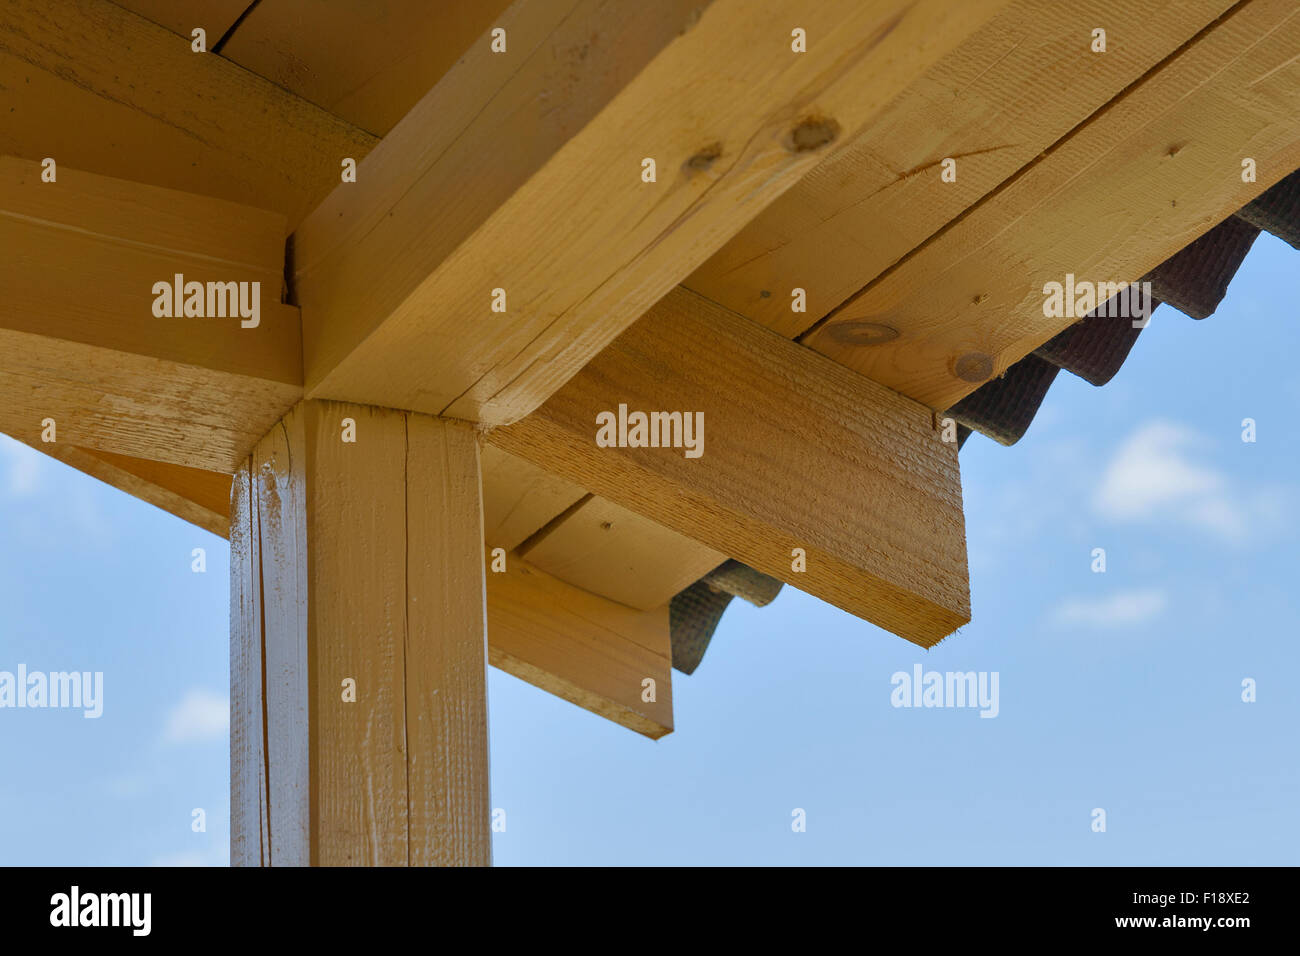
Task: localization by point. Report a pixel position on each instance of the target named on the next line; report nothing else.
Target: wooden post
(358, 650)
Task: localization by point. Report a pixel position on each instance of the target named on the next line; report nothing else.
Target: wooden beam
(99, 88)
(200, 497)
(521, 171)
(618, 554)
(592, 651)
(798, 453)
(80, 340)
(519, 498)
(359, 562)
(587, 649)
(366, 62)
(1137, 182)
(182, 16)
(994, 105)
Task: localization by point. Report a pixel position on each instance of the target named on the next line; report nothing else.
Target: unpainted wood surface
(521, 171)
(994, 104)
(182, 16)
(249, 819)
(200, 497)
(79, 340)
(364, 61)
(585, 648)
(82, 255)
(100, 88)
(1137, 182)
(798, 453)
(371, 569)
(519, 498)
(589, 650)
(134, 405)
(608, 550)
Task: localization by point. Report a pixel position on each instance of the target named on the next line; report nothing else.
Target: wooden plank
(798, 453)
(995, 103)
(589, 650)
(1140, 180)
(618, 554)
(521, 171)
(519, 498)
(100, 88)
(182, 16)
(191, 494)
(371, 570)
(366, 62)
(80, 340)
(279, 470)
(446, 647)
(249, 820)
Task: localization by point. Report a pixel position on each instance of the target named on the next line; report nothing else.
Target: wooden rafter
(581, 646)
(521, 172)
(111, 373)
(798, 453)
(1137, 182)
(160, 114)
(999, 101)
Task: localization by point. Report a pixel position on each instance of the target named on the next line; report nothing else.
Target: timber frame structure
(359, 286)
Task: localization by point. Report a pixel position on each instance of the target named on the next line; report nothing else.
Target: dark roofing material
(1004, 408)
(1095, 347)
(1194, 281)
(1278, 210)
(693, 615)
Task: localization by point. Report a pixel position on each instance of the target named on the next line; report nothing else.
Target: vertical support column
(358, 645)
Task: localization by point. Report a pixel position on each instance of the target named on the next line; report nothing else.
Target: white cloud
(1153, 477)
(1117, 610)
(201, 715)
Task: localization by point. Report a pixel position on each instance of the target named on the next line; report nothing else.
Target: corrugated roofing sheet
(1193, 281)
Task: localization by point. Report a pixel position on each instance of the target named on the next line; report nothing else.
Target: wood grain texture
(200, 497)
(366, 62)
(446, 647)
(79, 341)
(182, 16)
(994, 104)
(83, 254)
(1142, 178)
(133, 405)
(371, 569)
(618, 554)
(519, 498)
(798, 453)
(250, 843)
(281, 470)
(100, 88)
(591, 651)
(521, 171)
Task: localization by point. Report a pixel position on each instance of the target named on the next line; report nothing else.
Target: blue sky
(1120, 690)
